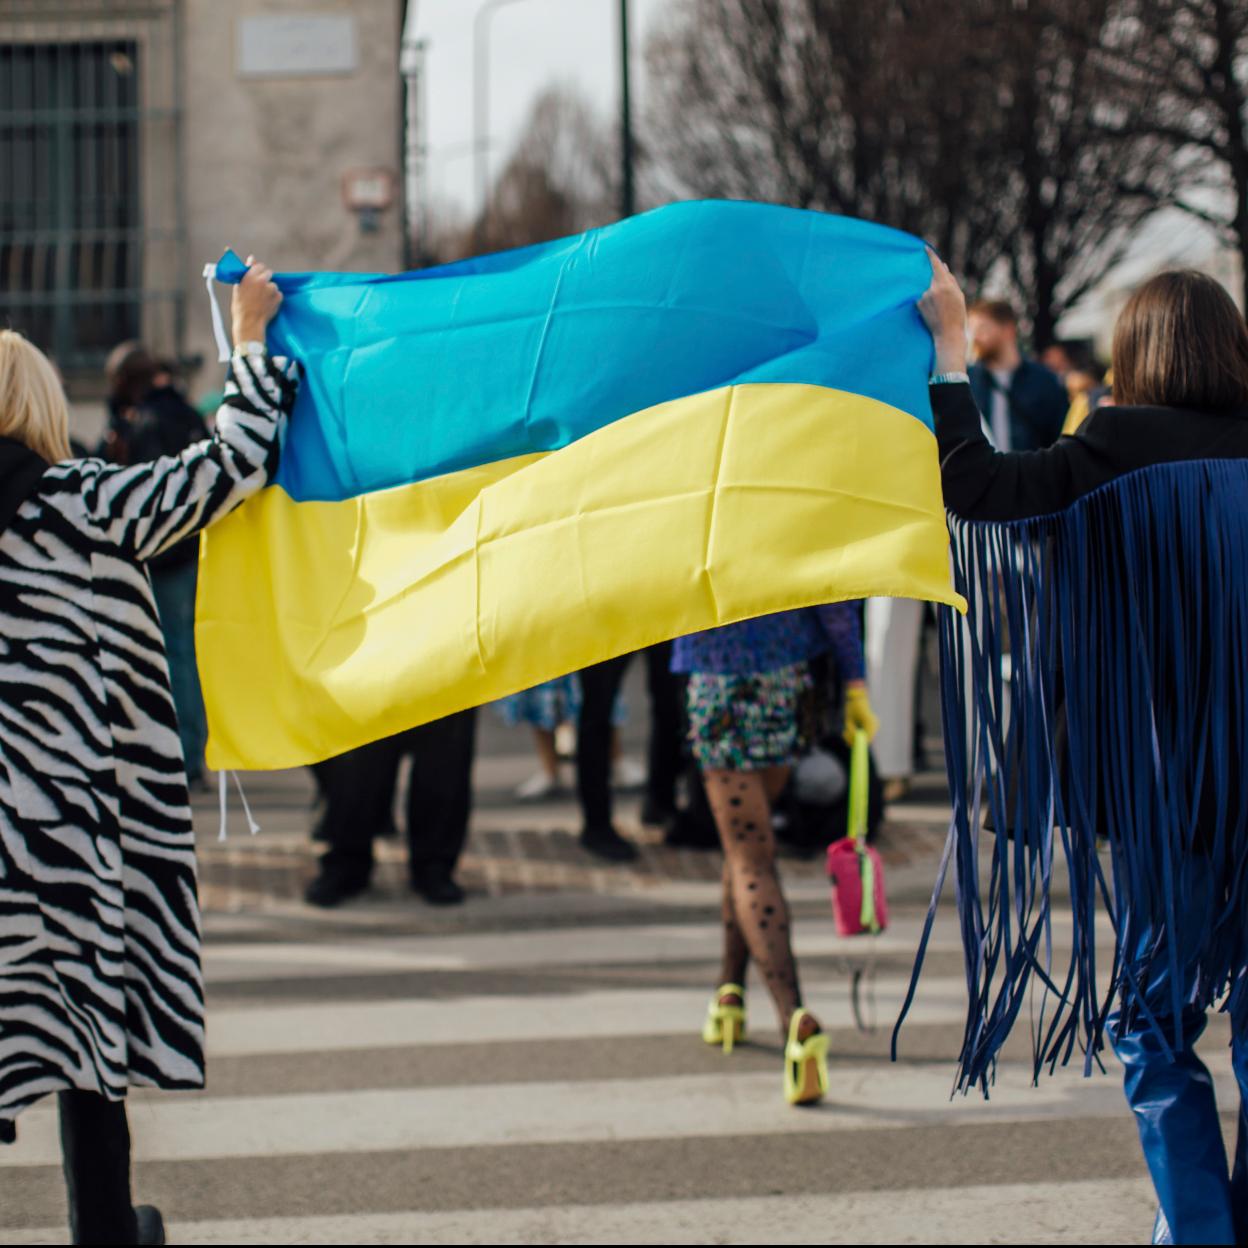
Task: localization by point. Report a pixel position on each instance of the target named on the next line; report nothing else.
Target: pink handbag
(859, 904)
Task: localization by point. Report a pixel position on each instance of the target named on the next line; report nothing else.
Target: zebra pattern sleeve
(147, 508)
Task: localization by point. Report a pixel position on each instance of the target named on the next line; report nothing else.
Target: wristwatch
(949, 379)
(249, 348)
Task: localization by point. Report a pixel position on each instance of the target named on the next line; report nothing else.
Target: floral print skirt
(750, 722)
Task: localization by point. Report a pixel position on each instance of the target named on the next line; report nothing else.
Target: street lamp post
(481, 105)
(628, 196)
(481, 111)
(415, 197)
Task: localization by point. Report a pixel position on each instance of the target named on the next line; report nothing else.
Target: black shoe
(440, 890)
(329, 890)
(654, 815)
(687, 832)
(609, 844)
(151, 1226)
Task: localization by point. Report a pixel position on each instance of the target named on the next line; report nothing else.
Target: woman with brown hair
(1114, 567)
(100, 983)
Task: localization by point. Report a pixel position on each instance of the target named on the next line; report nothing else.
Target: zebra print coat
(100, 984)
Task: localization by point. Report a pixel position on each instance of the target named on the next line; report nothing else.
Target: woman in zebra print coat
(100, 984)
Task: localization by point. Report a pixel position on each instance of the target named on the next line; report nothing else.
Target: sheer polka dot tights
(755, 913)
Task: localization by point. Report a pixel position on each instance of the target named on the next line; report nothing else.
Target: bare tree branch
(1010, 141)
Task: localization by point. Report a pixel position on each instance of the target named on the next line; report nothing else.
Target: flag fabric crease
(505, 469)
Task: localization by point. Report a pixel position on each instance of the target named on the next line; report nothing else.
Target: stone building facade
(138, 138)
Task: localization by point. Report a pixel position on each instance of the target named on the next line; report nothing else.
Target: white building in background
(1171, 239)
(138, 138)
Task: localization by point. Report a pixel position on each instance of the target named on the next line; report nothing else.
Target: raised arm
(147, 508)
(982, 483)
(979, 482)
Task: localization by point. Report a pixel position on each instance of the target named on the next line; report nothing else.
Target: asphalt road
(543, 1080)
(528, 1068)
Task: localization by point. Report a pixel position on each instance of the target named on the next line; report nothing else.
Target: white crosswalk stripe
(658, 942)
(583, 1112)
(318, 1028)
(592, 1154)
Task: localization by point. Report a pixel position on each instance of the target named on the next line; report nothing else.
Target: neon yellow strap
(859, 799)
(815, 1045)
(866, 866)
(859, 786)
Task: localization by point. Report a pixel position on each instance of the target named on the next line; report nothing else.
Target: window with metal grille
(71, 237)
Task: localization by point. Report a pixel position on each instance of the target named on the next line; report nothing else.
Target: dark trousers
(600, 686)
(359, 794)
(1203, 1198)
(95, 1146)
(174, 590)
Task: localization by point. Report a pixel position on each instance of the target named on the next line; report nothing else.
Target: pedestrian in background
(149, 417)
(1022, 401)
(751, 709)
(102, 988)
(544, 710)
(600, 687)
(1096, 391)
(894, 632)
(359, 791)
(549, 710)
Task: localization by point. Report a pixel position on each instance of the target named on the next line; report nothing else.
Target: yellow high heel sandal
(805, 1064)
(725, 1024)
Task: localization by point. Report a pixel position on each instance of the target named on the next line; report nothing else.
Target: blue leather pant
(1203, 1201)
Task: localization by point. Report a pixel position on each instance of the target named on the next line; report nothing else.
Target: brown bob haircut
(1181, 342)
(998, 310)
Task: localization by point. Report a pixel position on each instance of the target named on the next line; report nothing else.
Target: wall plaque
(294, 45)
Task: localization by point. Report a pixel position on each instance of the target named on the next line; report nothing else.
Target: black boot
(95, 1146)
(331, 887)
(606, 842)
(438, 888)
(151, 1225)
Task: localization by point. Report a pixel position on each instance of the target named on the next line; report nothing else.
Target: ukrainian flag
(512, 467)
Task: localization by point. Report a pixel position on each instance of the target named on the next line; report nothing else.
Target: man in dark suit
(1024, 405)
(600, 686)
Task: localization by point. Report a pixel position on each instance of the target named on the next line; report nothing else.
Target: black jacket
(983, 484)
(163, 424)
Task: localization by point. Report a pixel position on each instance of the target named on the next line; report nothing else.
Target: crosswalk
(369, 1083)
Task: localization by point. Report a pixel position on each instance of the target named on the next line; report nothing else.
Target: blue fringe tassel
(1097, 689)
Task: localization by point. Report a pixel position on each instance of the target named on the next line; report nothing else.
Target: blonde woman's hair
(33, 409)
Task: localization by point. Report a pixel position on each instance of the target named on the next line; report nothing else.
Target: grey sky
(533, 43)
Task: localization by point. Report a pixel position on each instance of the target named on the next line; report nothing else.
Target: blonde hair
(33, 409)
